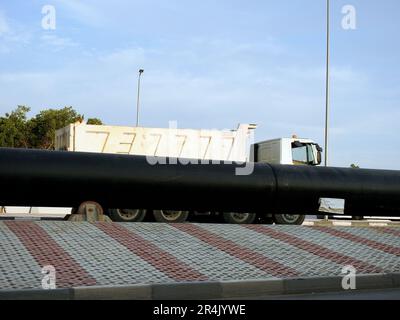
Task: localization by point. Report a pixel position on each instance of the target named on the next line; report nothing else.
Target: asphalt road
(386, 294)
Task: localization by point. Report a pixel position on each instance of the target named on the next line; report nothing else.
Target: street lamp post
(326, 159)
(138, 97)
(327, 82)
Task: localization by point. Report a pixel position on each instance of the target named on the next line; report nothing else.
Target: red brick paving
(389, 231)
(251, 257)
(46, 251)
(161, 260)
(370, 243)
(316, 249)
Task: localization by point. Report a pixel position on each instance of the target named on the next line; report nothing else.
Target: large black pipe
(65, 179)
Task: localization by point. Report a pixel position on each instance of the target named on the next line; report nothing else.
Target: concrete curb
(31, 219)
(351, 223)
(37, 294)
(133, 292)
(207, 290)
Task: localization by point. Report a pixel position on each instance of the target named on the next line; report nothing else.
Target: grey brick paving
(111, 263)
(18, 269)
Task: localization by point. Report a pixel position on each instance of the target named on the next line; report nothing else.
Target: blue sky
(213, 64)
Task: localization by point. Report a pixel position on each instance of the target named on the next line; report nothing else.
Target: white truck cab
(289, 151)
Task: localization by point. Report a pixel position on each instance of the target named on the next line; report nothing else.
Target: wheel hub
(290, 218)
(171, 215)
(128, 214)
(240, 217)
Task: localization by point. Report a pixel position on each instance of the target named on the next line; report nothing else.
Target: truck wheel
(127, 215)
(170, 216)
(290, 219)
(239, 218)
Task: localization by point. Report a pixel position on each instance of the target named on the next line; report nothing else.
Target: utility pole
(327, 83)
(326, 159)
(138, 97)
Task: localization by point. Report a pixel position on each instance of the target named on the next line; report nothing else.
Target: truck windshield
(302, 155)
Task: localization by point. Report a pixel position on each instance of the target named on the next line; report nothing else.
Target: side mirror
(319, 154)
(317, 151)
(319, 157)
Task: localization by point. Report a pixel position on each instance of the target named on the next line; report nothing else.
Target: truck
(212, 145)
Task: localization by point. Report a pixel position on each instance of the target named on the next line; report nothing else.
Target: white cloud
(4, 27)
(124, 58)
(340, 74)
(58, 43)
(227, 94)
(224, 46)
(12, 35)
(85, 12)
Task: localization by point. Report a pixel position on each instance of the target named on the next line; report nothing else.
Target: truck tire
(127, 215)
(239, 218)
(170, 216)
(289, 219)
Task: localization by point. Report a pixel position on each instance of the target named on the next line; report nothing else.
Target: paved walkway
(86, 254)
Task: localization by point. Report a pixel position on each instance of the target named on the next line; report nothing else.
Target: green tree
(354, 166)
(95, 121)
(43, 126)
(16, 131)
(13, 129)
